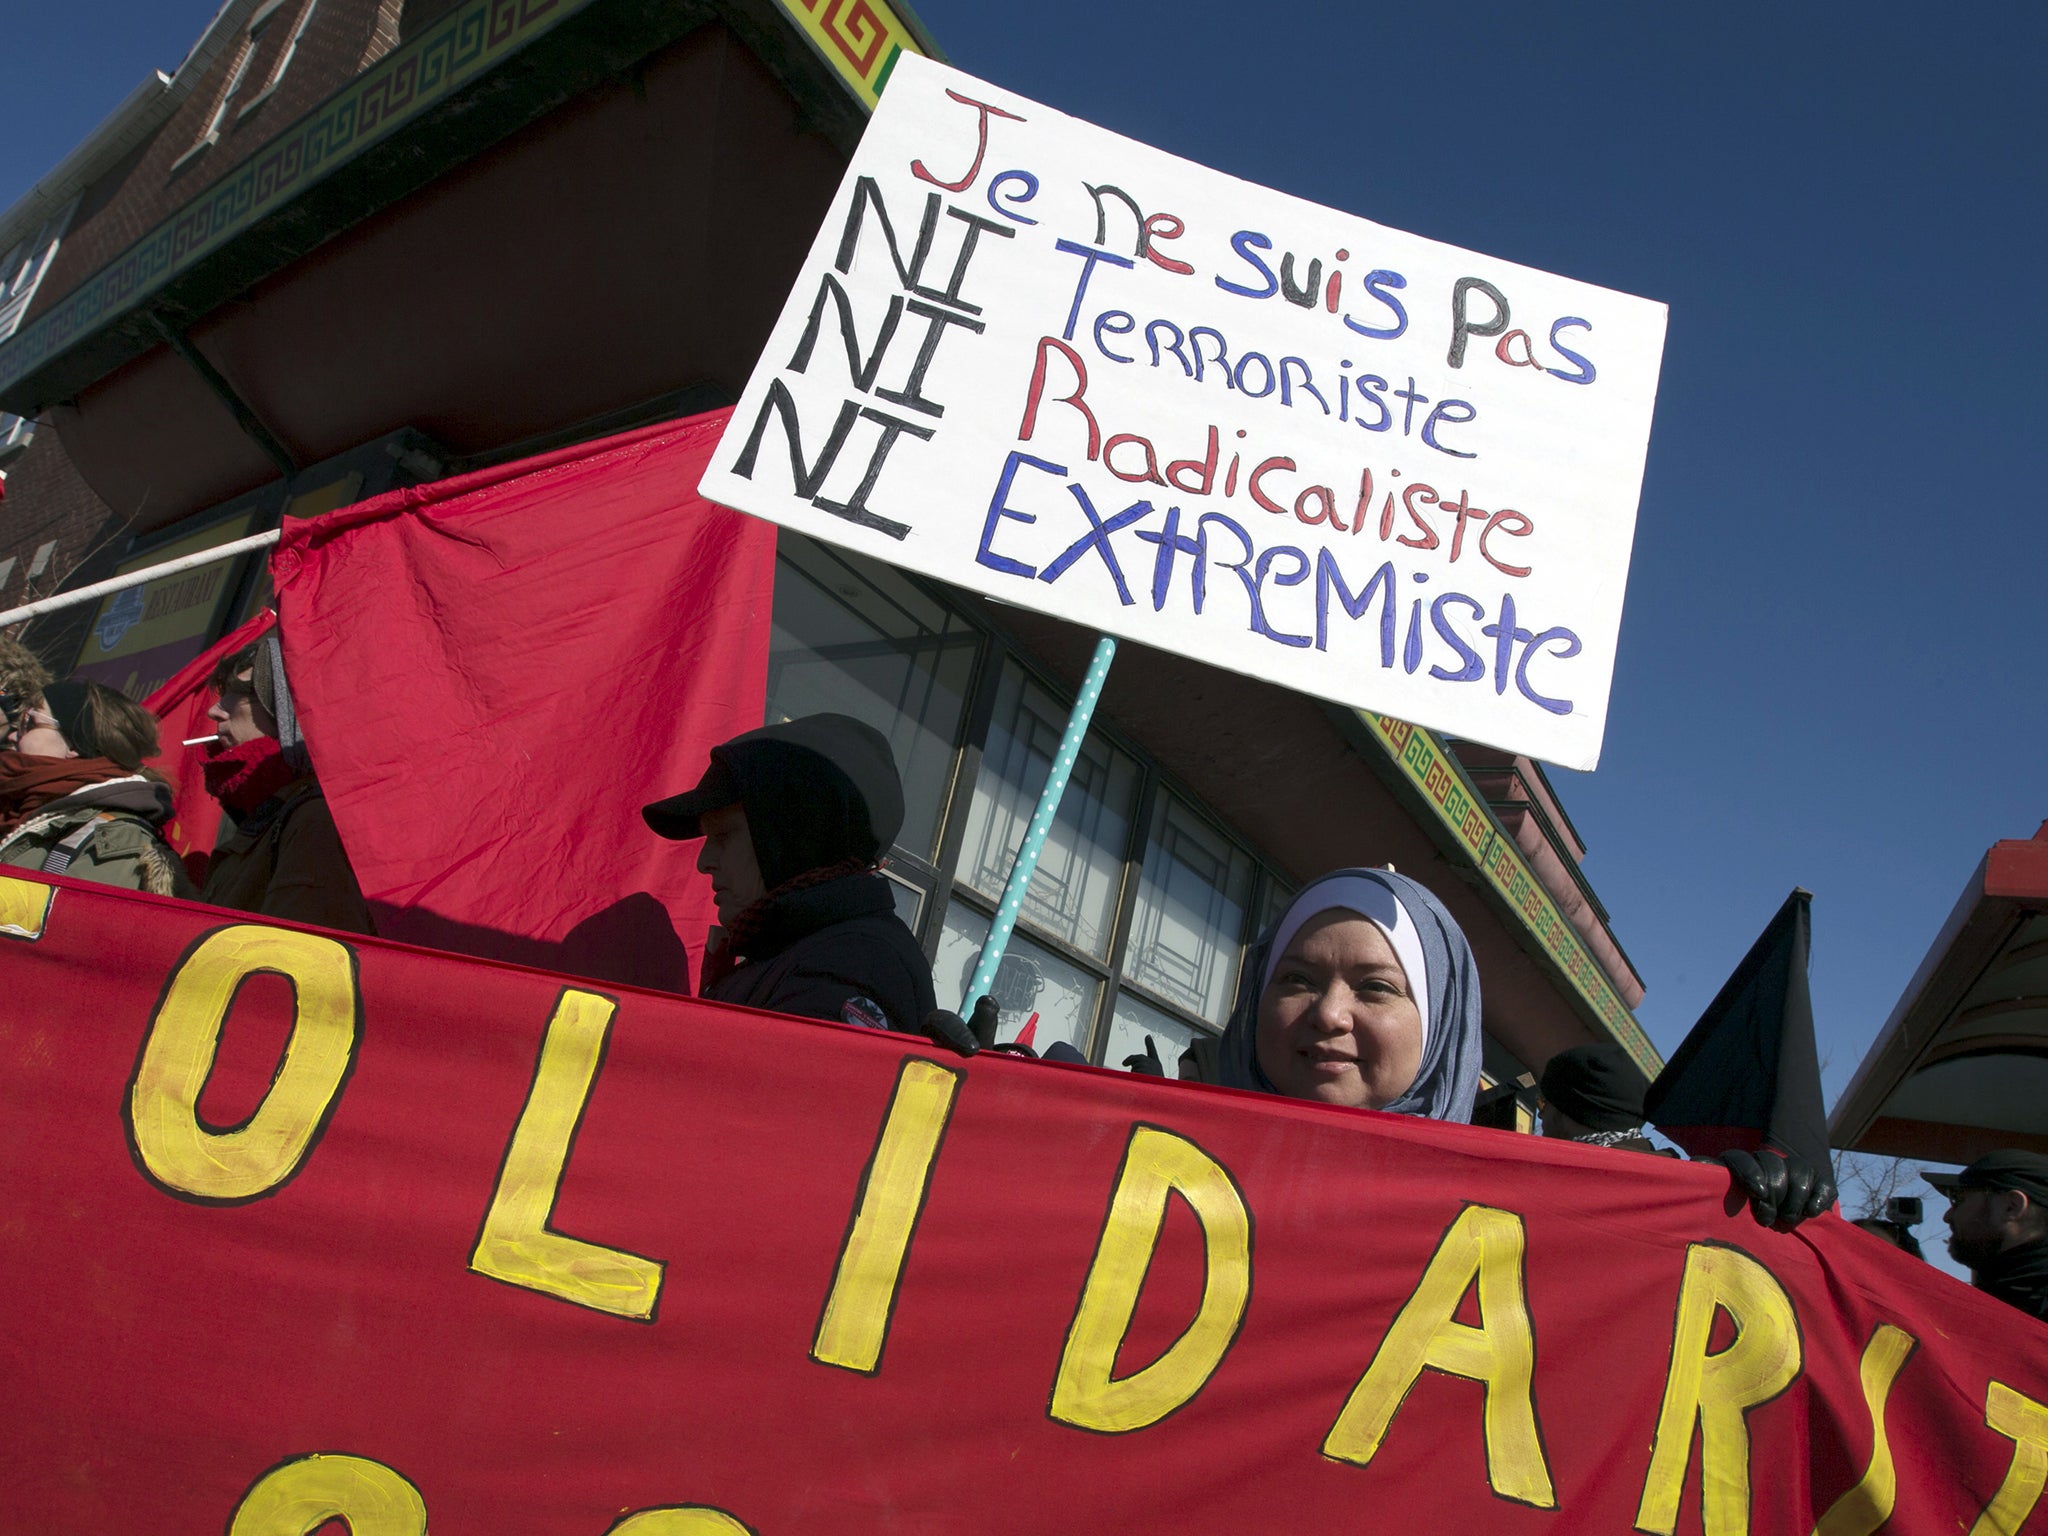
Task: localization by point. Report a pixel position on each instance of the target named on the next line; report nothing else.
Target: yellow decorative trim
(859, 38)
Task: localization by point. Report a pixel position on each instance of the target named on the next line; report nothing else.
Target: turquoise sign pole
(1041, 824)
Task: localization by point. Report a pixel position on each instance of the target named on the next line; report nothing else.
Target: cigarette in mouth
(197, 740)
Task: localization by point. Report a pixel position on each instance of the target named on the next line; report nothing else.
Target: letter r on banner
(1716, 1391)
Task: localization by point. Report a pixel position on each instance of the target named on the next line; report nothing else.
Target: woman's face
(1338, 1021)
(34, 733)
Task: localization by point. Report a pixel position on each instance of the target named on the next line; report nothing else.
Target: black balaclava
(1599, 1086)
(817, 791)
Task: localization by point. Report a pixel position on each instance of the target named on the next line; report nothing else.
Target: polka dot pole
(1041, 824)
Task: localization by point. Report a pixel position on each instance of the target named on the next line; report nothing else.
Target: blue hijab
(1449, 993)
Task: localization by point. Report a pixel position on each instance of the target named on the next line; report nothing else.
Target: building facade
(352, 244)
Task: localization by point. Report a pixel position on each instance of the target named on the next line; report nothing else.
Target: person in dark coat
(1998, 1225)
(285, 857)
(1594, 1094)
(795, 818)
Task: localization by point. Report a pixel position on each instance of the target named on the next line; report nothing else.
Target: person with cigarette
(74, 797)
(285, 857)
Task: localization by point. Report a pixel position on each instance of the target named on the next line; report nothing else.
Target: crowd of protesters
(1363, 994)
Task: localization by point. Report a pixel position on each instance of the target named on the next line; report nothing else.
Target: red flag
(180, 707)
(496, 672)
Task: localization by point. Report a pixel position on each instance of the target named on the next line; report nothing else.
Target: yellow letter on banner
(680, 1520)
(254, 1158)
(1864, 1509)
(1156, 1164)
(516, 1244)
(304, 1494)
(2024, 1422)
(1486, 1245)
(855, 1322)
(24, 907)
(1715, 1391)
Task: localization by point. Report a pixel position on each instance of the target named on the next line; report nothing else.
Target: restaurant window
(1073, 893)
(853, 637)
(1136, 918)
(1188, 929)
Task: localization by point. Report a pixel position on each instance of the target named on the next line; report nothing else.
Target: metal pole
(137, 578)
(1041, 824)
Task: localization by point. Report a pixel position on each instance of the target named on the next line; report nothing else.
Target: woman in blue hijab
(1364, 994)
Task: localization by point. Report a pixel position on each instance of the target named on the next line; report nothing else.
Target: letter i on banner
(855, 1323)
(1041, 823)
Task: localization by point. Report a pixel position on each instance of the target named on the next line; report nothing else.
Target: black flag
(1748, 1075)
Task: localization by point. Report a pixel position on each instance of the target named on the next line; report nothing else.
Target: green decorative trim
(407, 82)
(1435, 775)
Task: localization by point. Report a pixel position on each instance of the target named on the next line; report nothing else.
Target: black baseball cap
(2026, 1172)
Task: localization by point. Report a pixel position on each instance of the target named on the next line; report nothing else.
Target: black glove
(947, 1028)
(1146, 1062)
(985, 1018)
(1784, 1189)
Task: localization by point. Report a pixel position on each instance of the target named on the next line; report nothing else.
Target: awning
(1961, 1066)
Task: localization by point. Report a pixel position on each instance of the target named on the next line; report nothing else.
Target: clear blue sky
(1830, 668)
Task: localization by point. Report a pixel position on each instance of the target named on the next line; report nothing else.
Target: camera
(1906, 1210)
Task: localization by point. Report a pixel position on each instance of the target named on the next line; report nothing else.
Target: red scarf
(28, 783)
(722, 962)
(243, 777)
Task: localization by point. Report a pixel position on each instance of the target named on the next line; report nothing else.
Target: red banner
(496, 672)
(302, 1227)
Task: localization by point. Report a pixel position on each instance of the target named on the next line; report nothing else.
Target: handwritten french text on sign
(1058, 367)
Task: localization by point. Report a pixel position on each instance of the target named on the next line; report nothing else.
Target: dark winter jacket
(2018, 1277)
(113, 829)
(286, 860)
(815, 952)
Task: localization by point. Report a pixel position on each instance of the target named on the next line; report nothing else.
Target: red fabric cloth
(180, 707)
(29, 782)
(494, 674)
(167, 1346)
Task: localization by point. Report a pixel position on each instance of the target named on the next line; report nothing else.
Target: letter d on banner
(1156, 1165)
(231, 1165)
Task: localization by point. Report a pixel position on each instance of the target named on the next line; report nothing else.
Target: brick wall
(47, 503)
(341, 38)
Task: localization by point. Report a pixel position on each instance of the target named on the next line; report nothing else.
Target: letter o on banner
(680, 1520)
(301, 1495)
(244, 1162)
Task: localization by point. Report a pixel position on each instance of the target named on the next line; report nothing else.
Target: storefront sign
(301, 1226)
(1050, 364)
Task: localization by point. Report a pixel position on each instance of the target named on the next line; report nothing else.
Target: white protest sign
(1050, 364)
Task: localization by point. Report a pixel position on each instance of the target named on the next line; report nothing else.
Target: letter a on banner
(1483, 1247)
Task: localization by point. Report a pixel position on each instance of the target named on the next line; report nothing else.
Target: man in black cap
(795, 818)
(1998, 1225)
(1594, 1094)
